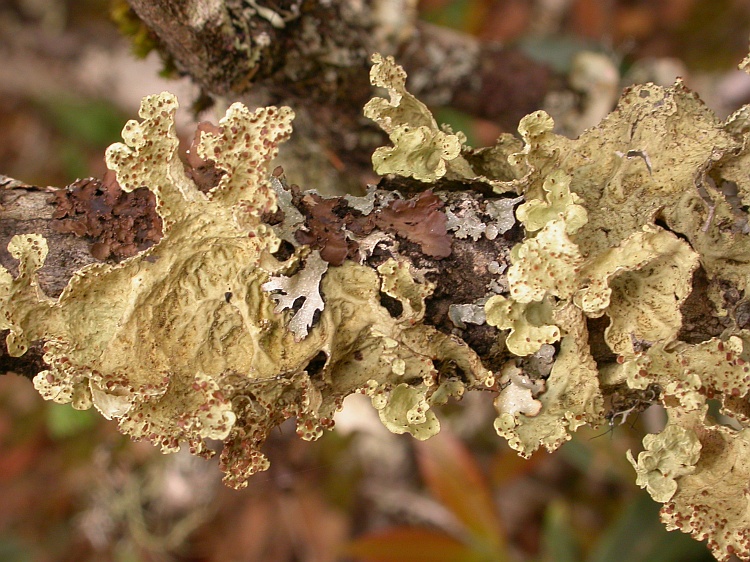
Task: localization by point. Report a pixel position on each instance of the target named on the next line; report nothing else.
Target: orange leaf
(454, 478)
(409, 544)
(507, 465)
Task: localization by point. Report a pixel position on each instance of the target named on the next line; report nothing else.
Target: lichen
(518, 391)
(711, 502)
(420, 149)
(704, 493)
(530, 325)
(303, 285)
(189, 341)
(406, 409)
(659, 158)
(572, 397)
(617, 222)
(546, 263)
(211, 334)
(467, 219)
(148, 340)
(419, 220)
(558, 204)
(669, 455)
(121, 224)
(460, 314)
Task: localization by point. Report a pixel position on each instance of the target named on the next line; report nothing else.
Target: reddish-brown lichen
(324, 228)
(121, 224)
(419, 220)
(328, 221)
(202, 171)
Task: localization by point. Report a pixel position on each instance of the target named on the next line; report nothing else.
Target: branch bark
(316, 52)
(462, 278)
(76, 233)
(618, 282)
(314, 56)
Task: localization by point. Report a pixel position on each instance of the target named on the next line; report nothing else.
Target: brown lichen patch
(334, 226)
(419, 220)
(203, 172)
(324, 228)
(120, 224)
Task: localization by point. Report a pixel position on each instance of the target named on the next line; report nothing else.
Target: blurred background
(74, 489)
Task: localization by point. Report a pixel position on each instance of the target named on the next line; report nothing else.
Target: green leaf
(638, 536)
(63, 421)
(558, 539)
(94, 122)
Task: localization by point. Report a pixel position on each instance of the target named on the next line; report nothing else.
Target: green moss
(143, 41)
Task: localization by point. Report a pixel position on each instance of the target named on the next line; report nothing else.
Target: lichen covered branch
(545, 270)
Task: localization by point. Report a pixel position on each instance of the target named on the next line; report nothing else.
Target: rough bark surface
(460, 278)
(316, 51)
(314, 57)
(29, 209)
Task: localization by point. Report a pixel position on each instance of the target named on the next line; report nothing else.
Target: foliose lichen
(304, 284)
(617, 222)
(199, 337)
(421, 150)
(668, 456)
(189, 340)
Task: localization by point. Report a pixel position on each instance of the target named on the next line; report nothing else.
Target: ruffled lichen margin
(188, 341)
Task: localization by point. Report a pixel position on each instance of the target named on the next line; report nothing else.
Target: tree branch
(577, 280)
(316, 52)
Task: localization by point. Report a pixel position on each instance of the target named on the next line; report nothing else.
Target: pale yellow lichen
(397, 282)
(691, 373)
(617, 222)
(647, 247)
(530, 325)
(572, 397)
(668, 456)
(418, 152)
(247, 141)
(405, 409)
(650, 159)
(700, 470)
(648, 278)
(30, 250)
(558, 204)
(712, 502)
(706, 494)
(591, 263)
(182, 344)
(517, 392)
(421, 149)
(148, 340)
(548, 263)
